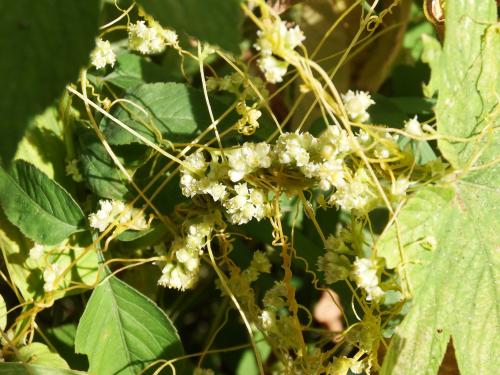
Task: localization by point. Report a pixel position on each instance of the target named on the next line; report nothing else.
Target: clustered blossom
(247, 159)
(116, 211)
(321, 161)
(50, 276)
(356, 105)
(36, 252)
(182, 271)
(364, 274)
(276, 43)
(413, 127)
(150, 38)
(102, 54)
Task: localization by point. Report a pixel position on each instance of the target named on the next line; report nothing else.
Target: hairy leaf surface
(455, 286)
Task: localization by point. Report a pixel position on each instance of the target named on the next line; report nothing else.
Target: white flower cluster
(150, 38)
(112, 210)
(183, 270)
(102, 54)
(356, 105)
(357, 194)
(413, 127)
(243, 203)
(50, 277)
(247, 159)
(321, 161)
(38, 257)
(364, 274)
(276, 42)
(36, 252)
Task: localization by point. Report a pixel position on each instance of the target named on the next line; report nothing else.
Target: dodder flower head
(413, 127)
(111, 210)
(102, 54)
(150, 39)
(356, 105)
(278, 40)
(364, 274)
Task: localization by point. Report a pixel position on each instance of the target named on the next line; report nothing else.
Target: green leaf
(63, 339)
(99, 170)
(122, 331)
(37, 205)
(175, 111)
(465, 73)
(43, 145)
(43, 44)
(24, 369)
(455, 286)
(37, 353)
(214, 21)
(133, 70)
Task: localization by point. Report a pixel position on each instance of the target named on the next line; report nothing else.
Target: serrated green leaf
(24, 369)
(133, 70)
(37, 353)
(99, 170)
(37, 205)
(214, 21)
(455, 286)
(43, 45)
(122, 331)
(174, 111)
(465, 73)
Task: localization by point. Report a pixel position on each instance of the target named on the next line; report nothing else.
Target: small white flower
(111, 210)
(248, 158)
(50, 274)
(36, 252)
(147, 40)
(356, 105)
(274, 70)
(102, 54)
(382, 153)
(364, 274)
(267, 319)
(177, 277)
(363, 136)
(246, 205)
(413, 127)
(400, 186)
(170, 36)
